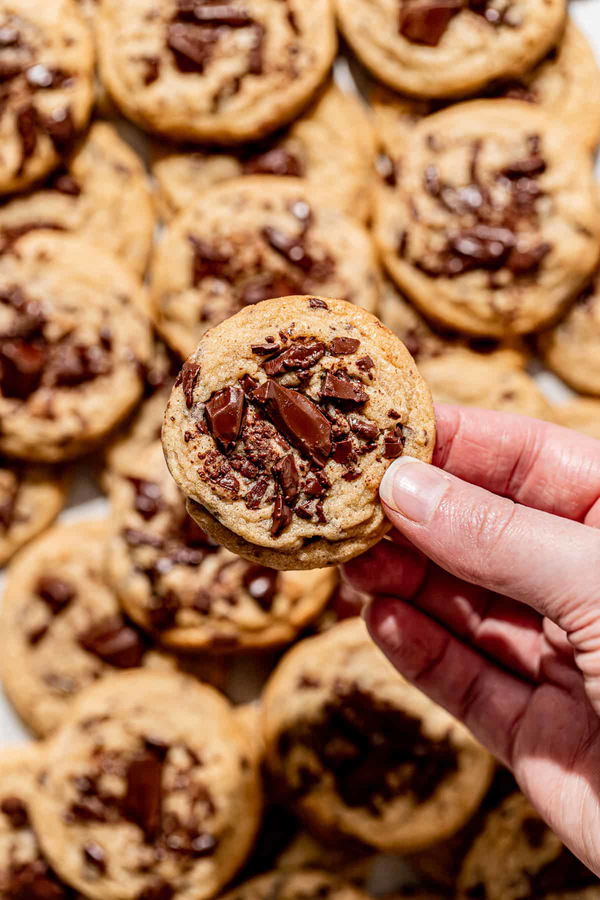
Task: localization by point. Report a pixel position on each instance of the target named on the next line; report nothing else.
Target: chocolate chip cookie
(30, 498)
(570, 348)
(517, 857)
(296, 886)
(250, 239)
(174, 580)
(100, 193)
(74, 336)
(148, 790)
(46, 70)
(360, 752)
(331, 145)
(210, 72)
(281, 425)
(492, 225)
(24, 872)
(61, 625)
(581, 414)
(440, 49)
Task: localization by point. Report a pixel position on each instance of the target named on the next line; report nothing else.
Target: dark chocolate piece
(114, 642)
(298, 418)
(224, 413)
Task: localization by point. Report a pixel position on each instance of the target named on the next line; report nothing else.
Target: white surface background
(85, 501)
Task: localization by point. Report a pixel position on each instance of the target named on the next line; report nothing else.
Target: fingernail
(413, 488)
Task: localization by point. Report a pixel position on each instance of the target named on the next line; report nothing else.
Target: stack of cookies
(199, 227)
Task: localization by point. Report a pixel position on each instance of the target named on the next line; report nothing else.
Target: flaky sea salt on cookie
(282, 423)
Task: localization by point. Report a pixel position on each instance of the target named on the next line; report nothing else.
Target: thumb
(549, 563)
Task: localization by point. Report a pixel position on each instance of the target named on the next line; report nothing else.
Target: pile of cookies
(164, 166)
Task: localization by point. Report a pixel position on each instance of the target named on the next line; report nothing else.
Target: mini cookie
(251, 239)
(361, 752)
(453, 48)
(517, 857)
(581, 414)
(332, 146)
(24, 872)
(571, 348)
(175, 581)
(61, 626)
(223, 73)
(30, 498)
(282, 885)
(74, 336)
(282, 423)
(46, 71)
(101, 194)
(493, 224)
(148, 790)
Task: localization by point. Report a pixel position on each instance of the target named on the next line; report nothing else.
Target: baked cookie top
(250, 239)
(74, 336)
(299, 885)
(46, 70)
(282, 423)
(360, 752)
(174, 580)
(221, 72)
(30, 498)
(453, 48)
(492, 224)
(149, 789)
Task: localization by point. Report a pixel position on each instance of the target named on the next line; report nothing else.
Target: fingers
(387, 569)
(546, 562)
(532, 462)
(488, 700)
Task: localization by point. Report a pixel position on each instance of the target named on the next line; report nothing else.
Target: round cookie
(360, 752)
(148, 790)
(61, 625)
(100, 193)
(24, 872)
(571, 348)
(493, 223)
(282, 423)
(30, 499)
(581, 414)
(46, 66)
(250, 239)
(449, 49)
(175, 581)
(296, 885)
(517, 857)
(74, 336)
(331, 145)
(223, 73)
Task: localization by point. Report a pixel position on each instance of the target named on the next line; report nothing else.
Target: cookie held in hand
(282, 423)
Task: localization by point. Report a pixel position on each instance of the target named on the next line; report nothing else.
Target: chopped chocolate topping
(147, 497)
(366, 430)
(22, 364)
(224, 412)
(158, 890)
(286, 472)
(373, 751)
(191, 45)
(189, 377)
(277, 161)
(316, 303)
(261, 584)
(282, 516)
(27, 128)
(298, 418)
(393, 442)
(114, 642)
(15, 811)
(71, 364)
(341, 387)
(291, 248)
(301, 355)
(55, 592)
(142, 803)
(256, 493)
(208, 261)
(426, 21)
(344, 346)
(95, 856)
(60, 128)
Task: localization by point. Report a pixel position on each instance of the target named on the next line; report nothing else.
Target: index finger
(535, 463)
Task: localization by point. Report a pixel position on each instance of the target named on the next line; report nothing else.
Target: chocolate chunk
(531, 166)
(342, 387)
(191, 45)
(298, 418)
(483, 246)
(148, 497)
(255, 57)
(426, 22)
(22, 365)
(261, 584)
(365, 364)
(218, 470)
(282, 516)
(368, 431)
(208, 261)
(315, 484)
(55, 592)
(291, 248)
(393, 443)
(71, 365)
(316, 303)
(256, 493)
(152, 69)
(224, 413)
(189, 377)
(264, 286)
(162, 611)
(59, 127)
(34, 881)
(343, 346)
(266, 349)
(142, 803)
(114, 642)
(299, 355)
(64, 183)
(95, 856)
(15, 811)
(158, 890)
(522, 262)
(342, 451)
(277, 161)
(27, 129)
(286, 472)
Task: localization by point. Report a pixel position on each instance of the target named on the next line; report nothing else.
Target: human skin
(488, 599)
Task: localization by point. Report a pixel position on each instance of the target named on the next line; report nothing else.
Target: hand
(488, 599)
